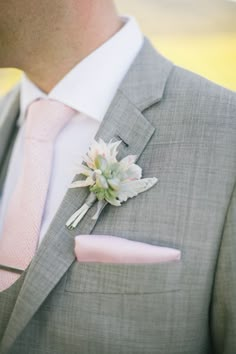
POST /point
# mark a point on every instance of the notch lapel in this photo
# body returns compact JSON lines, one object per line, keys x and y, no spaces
{"x":124,"y":121}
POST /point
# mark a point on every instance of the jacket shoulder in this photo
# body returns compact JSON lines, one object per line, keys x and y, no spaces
{"x":187,"y":84}
{"x":9,"y":102}
{"x":15,"y":90}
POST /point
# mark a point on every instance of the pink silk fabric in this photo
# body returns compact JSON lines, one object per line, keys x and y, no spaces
{"x":112,"y":249}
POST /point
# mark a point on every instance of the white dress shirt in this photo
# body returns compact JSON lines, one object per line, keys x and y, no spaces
{"x":89,"y":89}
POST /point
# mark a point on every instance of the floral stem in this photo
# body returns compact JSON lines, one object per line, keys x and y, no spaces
{"x":74,"y":220}
{"x":100,"y":206}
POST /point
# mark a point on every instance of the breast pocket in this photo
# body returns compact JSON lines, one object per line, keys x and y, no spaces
{"x":124,"y":278}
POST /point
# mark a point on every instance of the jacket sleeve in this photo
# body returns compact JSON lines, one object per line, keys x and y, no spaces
{"x":223,"y":307}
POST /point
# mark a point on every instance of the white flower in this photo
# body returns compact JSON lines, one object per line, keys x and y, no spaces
{"x":109,"y":180}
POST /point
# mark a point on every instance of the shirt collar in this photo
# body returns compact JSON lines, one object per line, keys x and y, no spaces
{"x":91,"y":85}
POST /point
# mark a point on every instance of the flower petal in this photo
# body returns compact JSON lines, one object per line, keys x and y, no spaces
{"x":134,"y":172}
{"x":112,"y":147}
{"x":127,"y":161}
{"x":84,"y":170}
{"x":84,"y":183}
{"x":101,"y":182}
{"x":114,"y":183}
{"x":112,"y":201}
{"x":90,"y":162}
{"x":133,"y":188}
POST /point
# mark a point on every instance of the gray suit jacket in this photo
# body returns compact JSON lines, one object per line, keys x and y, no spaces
{"x":183,"y":129}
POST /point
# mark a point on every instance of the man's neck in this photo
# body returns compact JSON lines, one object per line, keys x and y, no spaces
{"x":47,"y":66}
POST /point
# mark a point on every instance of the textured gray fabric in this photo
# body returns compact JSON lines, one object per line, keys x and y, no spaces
{"x":183,"y":129}
{"x":8,"y":130}
{"x":7,"y":303}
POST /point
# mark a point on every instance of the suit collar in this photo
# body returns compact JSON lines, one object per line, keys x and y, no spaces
{"x":143,"y":86}
{"x":145,"y":82}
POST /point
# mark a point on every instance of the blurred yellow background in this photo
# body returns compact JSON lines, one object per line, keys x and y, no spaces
{"x":199,"y":35}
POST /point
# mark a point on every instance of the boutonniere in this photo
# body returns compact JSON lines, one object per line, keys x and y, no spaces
{"x":109,"y":181}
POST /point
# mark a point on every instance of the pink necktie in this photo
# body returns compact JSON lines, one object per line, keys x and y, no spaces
{"x":18,"y":242}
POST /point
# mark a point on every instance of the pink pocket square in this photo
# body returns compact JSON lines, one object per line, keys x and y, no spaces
{"x":112,"y":249}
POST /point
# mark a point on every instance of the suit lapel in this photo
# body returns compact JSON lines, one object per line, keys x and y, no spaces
{"x":9,"y":110}
{"x":124,"y":121}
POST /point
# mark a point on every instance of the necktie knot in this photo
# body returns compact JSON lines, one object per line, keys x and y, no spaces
{"x":46,"y":118}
